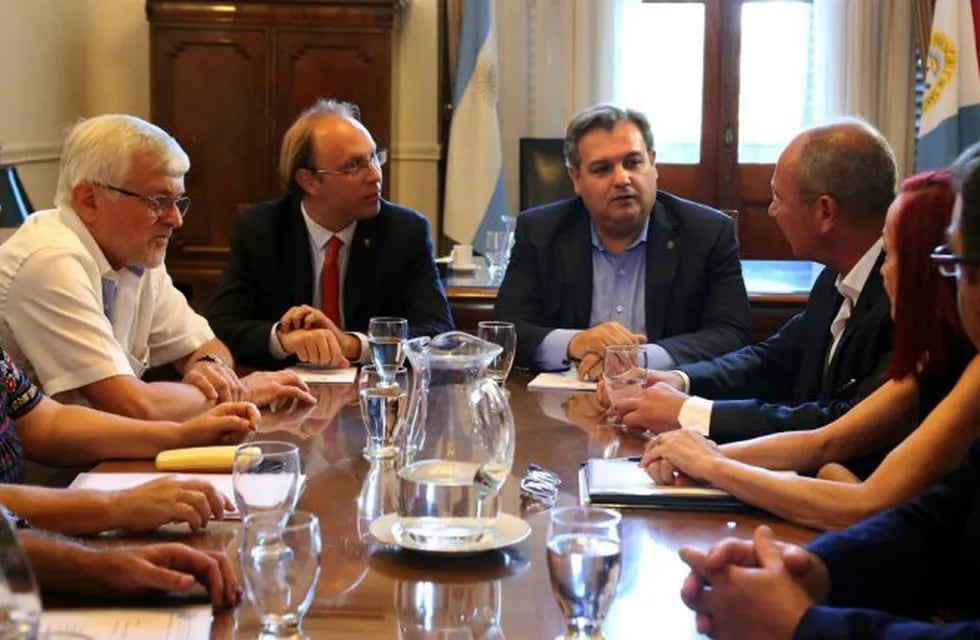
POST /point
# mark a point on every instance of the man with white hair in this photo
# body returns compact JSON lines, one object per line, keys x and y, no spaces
{"x":85,"y":300}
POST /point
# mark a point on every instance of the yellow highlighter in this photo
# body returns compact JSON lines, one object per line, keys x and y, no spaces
{"x":216,"y":458}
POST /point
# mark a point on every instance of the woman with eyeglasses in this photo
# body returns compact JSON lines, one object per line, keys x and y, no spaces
{"x":926,"y":409}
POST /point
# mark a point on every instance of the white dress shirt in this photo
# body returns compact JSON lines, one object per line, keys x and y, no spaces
{"x":54,"y":318}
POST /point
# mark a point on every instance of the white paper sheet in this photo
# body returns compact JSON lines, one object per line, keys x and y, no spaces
{"x":220,"y":481}
{"x":566,"y":381}
{"x":312,"y":375}
{"x":179,"y":623}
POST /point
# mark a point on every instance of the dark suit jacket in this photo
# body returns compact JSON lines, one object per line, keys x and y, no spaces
{"x":390,"y":272}
{"x":781,"y":384}
{"x":696,"y":305}
{"x":913,"y":561}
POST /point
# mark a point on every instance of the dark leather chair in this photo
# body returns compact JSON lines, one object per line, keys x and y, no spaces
{"x":544,"y":177}
{"x":14,"y":203}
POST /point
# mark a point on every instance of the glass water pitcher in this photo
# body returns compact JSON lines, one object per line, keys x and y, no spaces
{"x":457,"y":444}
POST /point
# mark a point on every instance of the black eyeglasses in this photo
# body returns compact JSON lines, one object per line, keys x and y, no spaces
{"x":355,"y":167}
{"x":160,"y":205}
{"x":948,"y":262}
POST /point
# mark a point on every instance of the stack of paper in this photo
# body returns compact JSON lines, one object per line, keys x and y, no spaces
{"x":315,"y":375}
{"x":176,"y":623}
{"x":566,"y":381}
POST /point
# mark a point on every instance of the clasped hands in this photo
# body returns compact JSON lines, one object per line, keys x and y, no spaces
{"x":757,"y":588}
{"x":586,"y":346}
{"x":312,"y":337}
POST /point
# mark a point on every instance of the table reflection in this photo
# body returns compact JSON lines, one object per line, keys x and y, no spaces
{"x":367,"y":590}
{"x":462,"y":611}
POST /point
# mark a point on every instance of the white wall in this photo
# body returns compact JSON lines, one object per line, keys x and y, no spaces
{"x":65,"y":59}
{"x":415,"y":109}
{"x":61,"y":60}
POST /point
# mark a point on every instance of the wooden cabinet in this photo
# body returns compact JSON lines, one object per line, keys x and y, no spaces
{"x":228,"y":78}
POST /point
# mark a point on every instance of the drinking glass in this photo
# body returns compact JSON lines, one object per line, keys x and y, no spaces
{"x":383,"y":391}
{"x":624,"y":371}
{"x":265,"y":477}
{"x":20,"y":606}
{"x":280,"y":556}
{"x":386,"y":337}
{"x":496,"y":247}
{"x":504,"y":334}
{"x":583,"y":562}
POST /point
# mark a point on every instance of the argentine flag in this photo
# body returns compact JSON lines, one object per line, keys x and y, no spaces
{"x":474,"y":172}
{"x":951,"y":105}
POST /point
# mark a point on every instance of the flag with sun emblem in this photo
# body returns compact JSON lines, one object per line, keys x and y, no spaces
{"x":474,"y":168}
{"x":951,"y":104}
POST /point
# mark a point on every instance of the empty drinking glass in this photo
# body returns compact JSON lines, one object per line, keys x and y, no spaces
{"x":496,"y":247}
{"x":386,"y":337}
{"x":583,"y":562}
{"x":20,"y":606}
{"x":624,"y":371}
{"x":280,"y":556}
{"x":504,"y":334}
{"x":383,"y":391}
{"x":266,"y":477}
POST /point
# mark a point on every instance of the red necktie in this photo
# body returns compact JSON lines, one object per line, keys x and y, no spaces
{"x":330,"y":281}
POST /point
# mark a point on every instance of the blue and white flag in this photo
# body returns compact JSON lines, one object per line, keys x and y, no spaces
{"x":951,"y":105}
{"x":474,"y":173}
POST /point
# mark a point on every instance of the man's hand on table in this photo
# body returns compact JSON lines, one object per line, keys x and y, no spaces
{"x":276,"y":387}
{"x":227,"y":423}
{"x":587,"y":346}
{"x":170,"y":499}
{"x":305,"y":419}
{"x":152,"y":568}
{"x":216,"y":380}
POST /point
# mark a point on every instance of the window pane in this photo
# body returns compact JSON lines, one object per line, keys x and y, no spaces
{"x":660,"y":72}
{"x":776,"y":78}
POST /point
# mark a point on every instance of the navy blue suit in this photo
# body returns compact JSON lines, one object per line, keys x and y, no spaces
{"x":782,"y":383}
{"x":390,"y":272}
{"x":918,"y":560}
{"x":696,"y":305}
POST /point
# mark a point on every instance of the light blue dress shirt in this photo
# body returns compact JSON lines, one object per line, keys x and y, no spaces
{"x":618,"y":293}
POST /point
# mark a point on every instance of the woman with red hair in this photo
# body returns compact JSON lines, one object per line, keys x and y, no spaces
{"x":926,"y":406}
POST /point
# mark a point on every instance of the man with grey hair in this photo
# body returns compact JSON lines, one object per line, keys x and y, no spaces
{"x":830,"y":191}
{"x":85,"y":301}
{"x":622,"y":263}
{"x":307,"y":272}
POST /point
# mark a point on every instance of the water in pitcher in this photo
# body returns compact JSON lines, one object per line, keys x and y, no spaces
{"x":446,"y":503}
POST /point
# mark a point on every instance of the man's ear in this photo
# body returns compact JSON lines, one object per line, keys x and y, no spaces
{"x":84,"y":201}
{"x":828,"y":212}
{"x":573,"y":175}
{"x":306,"y":181}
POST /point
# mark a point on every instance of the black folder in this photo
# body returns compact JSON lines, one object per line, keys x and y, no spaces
{"x":620,"y":482}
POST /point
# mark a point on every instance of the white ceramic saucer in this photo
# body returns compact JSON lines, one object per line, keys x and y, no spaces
{"x":508,"y":531}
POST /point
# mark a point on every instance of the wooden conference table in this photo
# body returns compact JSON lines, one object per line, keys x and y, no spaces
{"x":368,"y":591}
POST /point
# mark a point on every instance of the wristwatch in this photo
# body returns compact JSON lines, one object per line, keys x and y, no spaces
{"x":210,"y":357}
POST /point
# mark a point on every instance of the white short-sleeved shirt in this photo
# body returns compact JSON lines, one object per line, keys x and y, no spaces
{"x":52,"y":319}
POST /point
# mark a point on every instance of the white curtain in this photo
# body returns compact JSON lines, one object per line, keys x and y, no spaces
{"x":555,"y":59}
{"x":864,"y":66}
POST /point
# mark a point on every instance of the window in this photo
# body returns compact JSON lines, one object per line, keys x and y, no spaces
{"x":726,"y":85}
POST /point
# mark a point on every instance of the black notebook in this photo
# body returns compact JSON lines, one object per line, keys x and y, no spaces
{"x":619,"y":482}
